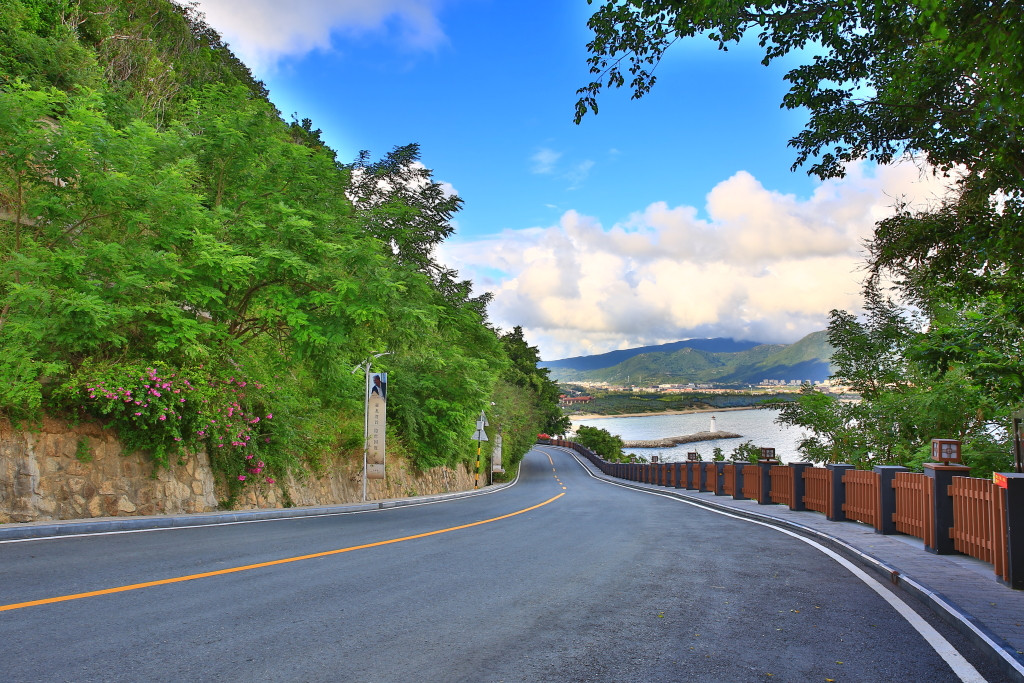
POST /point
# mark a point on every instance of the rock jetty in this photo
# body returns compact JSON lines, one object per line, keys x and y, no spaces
{"x":676,"y":440}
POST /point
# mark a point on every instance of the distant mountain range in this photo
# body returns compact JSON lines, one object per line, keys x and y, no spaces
{"x":717,"y":361}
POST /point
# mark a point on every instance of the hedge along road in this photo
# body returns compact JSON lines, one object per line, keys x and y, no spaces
{"x":561,"y":577}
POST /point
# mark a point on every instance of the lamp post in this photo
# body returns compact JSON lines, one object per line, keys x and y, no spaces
{"x":366,"y":407}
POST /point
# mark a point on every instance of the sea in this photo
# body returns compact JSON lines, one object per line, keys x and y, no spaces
{"x":757,"y":426}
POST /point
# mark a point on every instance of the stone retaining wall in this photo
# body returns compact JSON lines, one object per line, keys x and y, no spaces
{"x":64,"y":471}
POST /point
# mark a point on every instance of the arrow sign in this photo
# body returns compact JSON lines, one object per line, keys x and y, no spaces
{"x":482,"y":419}
{"x":480,"y":435}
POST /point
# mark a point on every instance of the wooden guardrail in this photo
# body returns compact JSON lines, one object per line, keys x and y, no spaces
{"x":948,"y":512}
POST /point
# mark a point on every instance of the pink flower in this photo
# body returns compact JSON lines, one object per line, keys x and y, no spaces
{"x":137,"y":414}
{"x":269,"y":415}
{"x":269,"y":480}
{"x":241,"y":477}
{"x":163,"y":417}
{"x":249,"y":457}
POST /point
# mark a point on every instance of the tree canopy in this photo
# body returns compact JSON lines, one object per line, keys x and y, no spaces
{"x":935,"y":81}
{"x":179,"y":261}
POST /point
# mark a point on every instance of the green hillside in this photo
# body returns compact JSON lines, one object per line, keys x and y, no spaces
{"x":179,"y":262}
{"x":807,"y":359}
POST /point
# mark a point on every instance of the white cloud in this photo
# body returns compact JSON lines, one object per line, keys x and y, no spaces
{"x":544,"y":160}
{"x":762,"y":266}
{"x":578,"y":173}
{"x":263,"y":31}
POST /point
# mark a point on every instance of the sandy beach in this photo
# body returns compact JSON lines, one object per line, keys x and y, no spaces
{"x":575,"y":418}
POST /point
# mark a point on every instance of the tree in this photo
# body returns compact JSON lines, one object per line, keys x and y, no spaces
{"x":602,"y":442}
{"x":942,"y":82}
{"x":524,"y":371}
{"x":883,"y":78}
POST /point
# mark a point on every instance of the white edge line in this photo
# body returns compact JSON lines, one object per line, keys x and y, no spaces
{"x":457,"y":496}
{"x":956,"y":661}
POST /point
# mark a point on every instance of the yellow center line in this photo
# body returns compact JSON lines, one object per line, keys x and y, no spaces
{"x":232,"y":570}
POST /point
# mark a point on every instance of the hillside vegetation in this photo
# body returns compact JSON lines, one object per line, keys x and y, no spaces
{"x":180,"y":262}
{"x":807,"y":359}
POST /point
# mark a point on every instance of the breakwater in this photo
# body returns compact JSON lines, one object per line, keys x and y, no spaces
{"x":671,"y":441}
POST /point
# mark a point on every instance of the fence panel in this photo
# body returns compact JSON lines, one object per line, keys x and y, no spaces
{"x":730,"y":479}
{"x":863,"y":497}
{"x":973,"y":531}
{"x":782,"y":484}
{"x":913,"y":501}
{"x":752,"y":482}
{"x":818,"y":489}
{"x":710,"y":477}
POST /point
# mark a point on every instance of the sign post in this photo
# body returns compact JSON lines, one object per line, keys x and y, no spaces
{"x":375,"y":401}
{"x":480,"y":436}
{"x":496,"y":455}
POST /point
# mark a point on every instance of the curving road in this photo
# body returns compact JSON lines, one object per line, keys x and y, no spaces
{"x":561,"y":577}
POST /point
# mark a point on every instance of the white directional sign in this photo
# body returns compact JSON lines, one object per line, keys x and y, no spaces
{"x":482,"y":420}
{"x":480,"y":435}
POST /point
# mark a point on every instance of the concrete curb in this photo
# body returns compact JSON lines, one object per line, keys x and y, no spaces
{"x":15,"y":532}
{"x":968,"y":625}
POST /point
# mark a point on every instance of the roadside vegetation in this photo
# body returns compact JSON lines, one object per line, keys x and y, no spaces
{"x":938,"y":353}
{"x":184,"y":265}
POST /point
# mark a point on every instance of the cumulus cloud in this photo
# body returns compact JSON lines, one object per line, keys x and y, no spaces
{"x":263,"y":31}
{"x":758,"y":265}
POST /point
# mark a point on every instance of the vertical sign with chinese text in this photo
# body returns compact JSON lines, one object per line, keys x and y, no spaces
{"x":376,"y":422}
{"x":496,"y":455}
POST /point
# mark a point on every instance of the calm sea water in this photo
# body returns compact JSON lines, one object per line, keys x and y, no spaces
{"x":753,"y":425}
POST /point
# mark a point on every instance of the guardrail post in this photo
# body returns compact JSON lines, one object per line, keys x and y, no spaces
{"x":702,"y":478}
{"x":799,"y":486}
{"x":1015,"y":529}
{"x":737,"y":487}
{"x":718,"y":486}
{"x":942,"y":514}
{"x":837,"y":470}
{"x":766,"y":481}
{"x":887,"y":497}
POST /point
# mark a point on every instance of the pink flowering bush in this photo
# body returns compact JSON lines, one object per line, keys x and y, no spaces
{"x":167,"y":411}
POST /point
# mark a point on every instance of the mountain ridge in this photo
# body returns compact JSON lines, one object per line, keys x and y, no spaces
{"x":691,"y":361}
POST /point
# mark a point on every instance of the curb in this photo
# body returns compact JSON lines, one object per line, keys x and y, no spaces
{"x":75,"y":528}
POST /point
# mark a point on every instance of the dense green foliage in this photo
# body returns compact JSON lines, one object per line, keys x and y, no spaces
{"x":177,"y":260}
{"x":602,"y":442}
{"x":936,"y":80}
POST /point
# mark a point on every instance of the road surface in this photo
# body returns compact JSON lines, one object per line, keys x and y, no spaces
{"x":561,"y":577}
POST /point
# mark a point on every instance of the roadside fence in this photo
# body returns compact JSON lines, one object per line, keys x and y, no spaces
{"x":949,"y":511}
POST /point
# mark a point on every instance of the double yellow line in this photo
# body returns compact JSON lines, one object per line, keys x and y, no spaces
{"x":287,"y":560}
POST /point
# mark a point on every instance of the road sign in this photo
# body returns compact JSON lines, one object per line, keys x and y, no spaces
{"x":482,"y":419}
{"x":480,"y":435}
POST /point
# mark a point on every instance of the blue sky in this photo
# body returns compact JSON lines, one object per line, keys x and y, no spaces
{"x":670,"y":217}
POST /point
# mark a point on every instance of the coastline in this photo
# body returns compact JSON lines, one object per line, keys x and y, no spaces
{"x":689,"y":411}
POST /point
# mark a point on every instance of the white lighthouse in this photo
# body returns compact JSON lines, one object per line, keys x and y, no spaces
{"x":714,"y":427}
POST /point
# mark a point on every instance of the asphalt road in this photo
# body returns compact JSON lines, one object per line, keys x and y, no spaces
{"x":561,"y":577}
